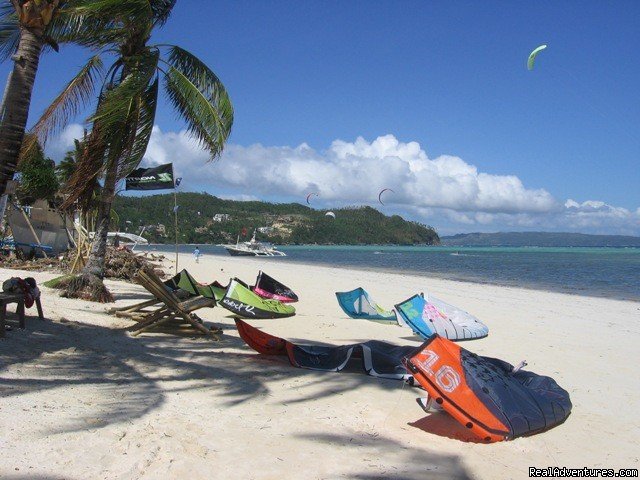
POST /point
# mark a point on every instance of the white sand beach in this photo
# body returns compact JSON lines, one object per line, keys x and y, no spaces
{"x":81,"y":399}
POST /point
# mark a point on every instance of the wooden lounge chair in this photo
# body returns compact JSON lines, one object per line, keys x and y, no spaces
{"x":172,"y":307}
{"x":183,"y":285}
{"x":139,"y":310}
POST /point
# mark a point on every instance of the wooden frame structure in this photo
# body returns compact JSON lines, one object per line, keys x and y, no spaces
{"x":17,"y":298}
{"x":171,"y":309}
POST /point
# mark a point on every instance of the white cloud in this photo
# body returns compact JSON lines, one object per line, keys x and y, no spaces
{"x":592,"y":214}
{"x":239,"y":197}
{"x":355,"y":172}
{"x":58,"y":146}
{"x":444,"y":191}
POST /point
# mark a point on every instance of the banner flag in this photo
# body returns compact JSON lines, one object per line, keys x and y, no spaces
{"x":154,"y":178}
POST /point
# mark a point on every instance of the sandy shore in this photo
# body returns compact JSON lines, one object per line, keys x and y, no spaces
{"x":80,"y":399}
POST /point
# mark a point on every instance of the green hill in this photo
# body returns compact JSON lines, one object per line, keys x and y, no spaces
{"x":203,"y":218}
{"x":539,"y":239}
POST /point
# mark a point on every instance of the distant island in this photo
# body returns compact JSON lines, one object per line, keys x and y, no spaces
{"x":206,"y":219}
{"x":539,"y":239}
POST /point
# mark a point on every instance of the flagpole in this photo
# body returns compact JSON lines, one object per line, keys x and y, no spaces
{"x":175,"y":215}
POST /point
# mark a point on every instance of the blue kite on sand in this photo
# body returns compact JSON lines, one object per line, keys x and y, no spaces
{"x":358,"y":304}
{"x":426,"y":316}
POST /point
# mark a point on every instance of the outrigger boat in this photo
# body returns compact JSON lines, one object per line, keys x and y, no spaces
{"x":252,"y":248}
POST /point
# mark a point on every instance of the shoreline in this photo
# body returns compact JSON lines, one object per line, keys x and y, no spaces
{"x":391,"y":245}
{"x":421,"y":273}
{"x":96,"y":402}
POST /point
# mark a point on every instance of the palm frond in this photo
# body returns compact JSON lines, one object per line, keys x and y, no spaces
{"x":200,"y":98}
{"x":83,"y":30}
{"x":106,"y":9}
{"x":117,"y":102}
{"x":139,"y":126}
{"x":119,"y":118}
{"x":68,"y":164}
{"x":80,"y":187}
{"x":129,"y":143}
{"x":98,"y":23}
{"x":6,"y":9}
{"x":9,"y":31}
{"x":161,"y":10}
{"x":76,"y":94}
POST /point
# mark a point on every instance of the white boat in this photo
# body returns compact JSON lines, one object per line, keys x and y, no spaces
{"x":252,"y":248}
{"x":123,"y":239}
{"x":126,"y":238}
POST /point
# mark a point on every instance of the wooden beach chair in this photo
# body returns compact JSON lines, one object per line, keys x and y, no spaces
{"x":183,"y":292}
{"x":172,"y":308}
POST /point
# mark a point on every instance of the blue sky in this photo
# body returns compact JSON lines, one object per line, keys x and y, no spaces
{"x":449,"y":116}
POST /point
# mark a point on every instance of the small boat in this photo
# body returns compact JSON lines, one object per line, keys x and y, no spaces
{"x":125,"y":239}
{"x":252,"y":248}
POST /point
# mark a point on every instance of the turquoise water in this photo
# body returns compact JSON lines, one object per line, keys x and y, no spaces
{"x":603,"y":272}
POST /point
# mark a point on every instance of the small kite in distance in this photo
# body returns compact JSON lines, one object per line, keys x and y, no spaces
{"x":381,"y":192}
{"x":309,"y":196}
{"x":330,"y":214}
{"x":533,"y":55}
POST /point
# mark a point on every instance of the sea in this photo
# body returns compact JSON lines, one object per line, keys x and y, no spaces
{"x":602,"y":272}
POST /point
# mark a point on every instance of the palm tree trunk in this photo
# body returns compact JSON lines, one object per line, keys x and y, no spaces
{"x":96,"y":261}
{"x":16,"y":106}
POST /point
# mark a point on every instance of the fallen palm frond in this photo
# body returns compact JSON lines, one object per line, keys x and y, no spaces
{"x":86,"y":287}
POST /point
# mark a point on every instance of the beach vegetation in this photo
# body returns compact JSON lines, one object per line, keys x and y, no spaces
{"x":204,"y":218}
{"x":128,"y":91}
{"x":38,"y":179}
{"x":27,"y":29}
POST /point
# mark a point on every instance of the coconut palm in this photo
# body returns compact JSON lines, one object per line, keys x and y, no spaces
{"x":24,"y":32}
{"x":27,"y":28}
{"x":65,"y":170}
{"x":23,"y":28}
{"x":124,"y":116}
{"x":67,"y":165}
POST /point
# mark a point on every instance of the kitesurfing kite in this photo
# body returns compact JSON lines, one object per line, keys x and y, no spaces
{"x":309,"y":196}
{"x":330,"y":214}
{"x":426,"y":316}
{"x":532,"y":56}
{"x":241,"y":301}
{"x":379,"y":359}
{"x":381,"y":192}
{"x":491,"y":398}
{"x":358,"y":304}
{"x":268,"y":287}
{"x":184,"y":282}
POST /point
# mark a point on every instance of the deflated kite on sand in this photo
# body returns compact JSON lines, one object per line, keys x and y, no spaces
{"x":269,"y":287}
{"x":426,"y":316}
{"x":491,"y":398}
{"x":184,"y":281}
{"x":358,"y":304}
{"x":378,"y":359}
{"x":240,"y":300}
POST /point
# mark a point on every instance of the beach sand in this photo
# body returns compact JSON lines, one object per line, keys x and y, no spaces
{"x":81,"y":399}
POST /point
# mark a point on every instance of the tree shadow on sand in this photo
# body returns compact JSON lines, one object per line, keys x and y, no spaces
{"x":50,"y":355}
{"x":388,"y":458}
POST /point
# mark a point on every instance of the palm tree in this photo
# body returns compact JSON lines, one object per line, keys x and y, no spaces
{"x":124,"y":116}
{"x":27,"y":27}
{"x":65,"y":170}
{"x":28,"y":35}
{"x":67,"y":165}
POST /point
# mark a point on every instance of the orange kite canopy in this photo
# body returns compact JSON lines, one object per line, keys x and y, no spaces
{"x":490,"y":397}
